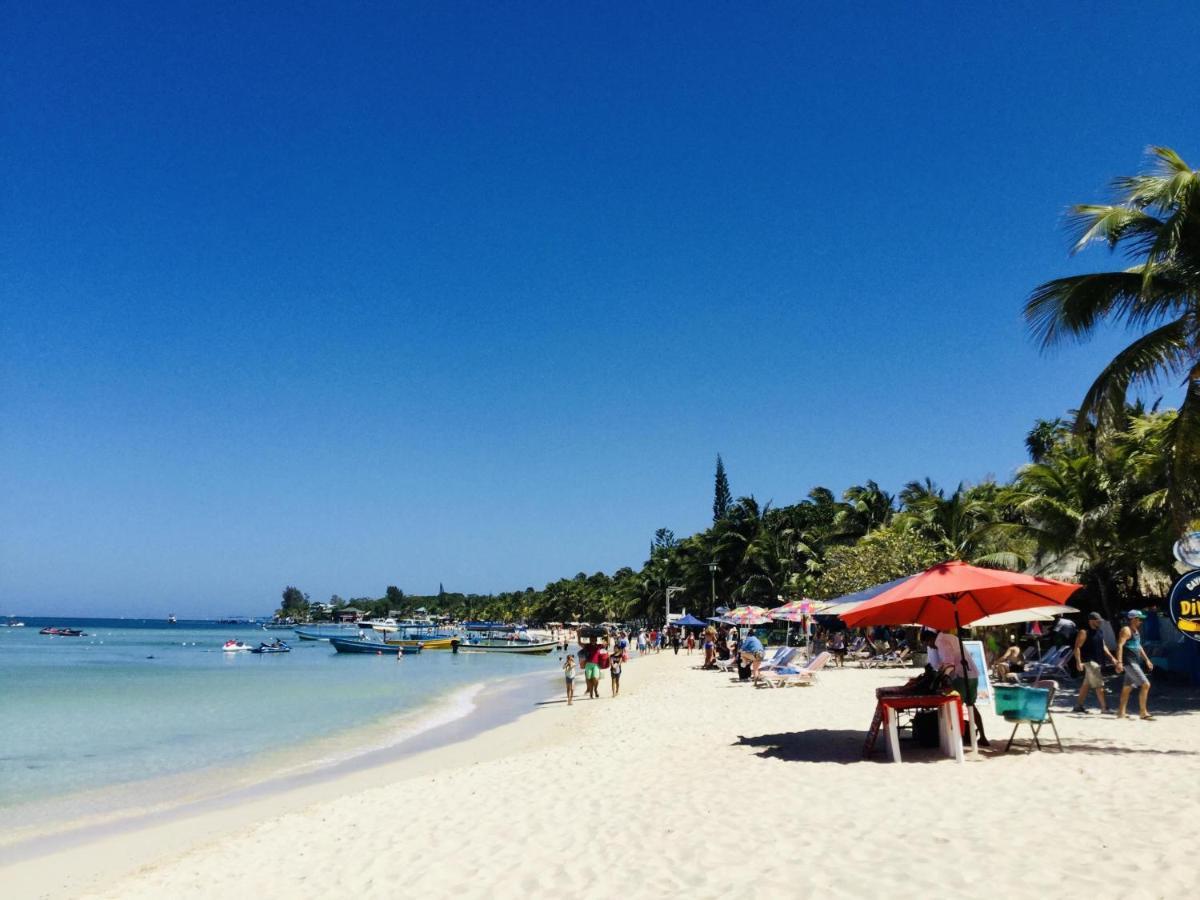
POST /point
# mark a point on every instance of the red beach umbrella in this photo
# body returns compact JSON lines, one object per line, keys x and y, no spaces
{"x":952,"y":594}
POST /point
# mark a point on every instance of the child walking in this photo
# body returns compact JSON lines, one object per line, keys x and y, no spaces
{"x":569,"y":673}
{"x":614,"y":669}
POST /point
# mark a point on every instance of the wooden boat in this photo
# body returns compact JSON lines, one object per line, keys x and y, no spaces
{"x":491,"y":646}
{"x":356,"y":645}
{"x":437,"y":642}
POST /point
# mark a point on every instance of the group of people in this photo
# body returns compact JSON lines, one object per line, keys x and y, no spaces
{"x":1092,"y":653}
{"x":596,"y":655}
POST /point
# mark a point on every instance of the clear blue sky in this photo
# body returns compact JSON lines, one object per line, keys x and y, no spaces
{"x":348,"y":295}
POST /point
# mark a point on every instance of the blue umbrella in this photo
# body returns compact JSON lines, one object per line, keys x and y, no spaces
{"x":689,"y":621}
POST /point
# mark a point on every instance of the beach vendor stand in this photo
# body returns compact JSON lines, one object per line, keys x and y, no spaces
{"x":954,"y":594}
{"x":888,"y":704}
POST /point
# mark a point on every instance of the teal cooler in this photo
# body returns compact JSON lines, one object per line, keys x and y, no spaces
{"x":1007,"y":698}
{"x":1015,"y":701}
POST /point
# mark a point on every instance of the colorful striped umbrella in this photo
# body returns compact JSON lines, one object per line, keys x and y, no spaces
{"x":794,"y":611}
{"x":747,"y":615}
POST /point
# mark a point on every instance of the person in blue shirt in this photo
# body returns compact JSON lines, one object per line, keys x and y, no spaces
{"x":752,"y":653}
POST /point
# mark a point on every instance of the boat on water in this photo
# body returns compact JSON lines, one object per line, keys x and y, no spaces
{"x":493,"y":645}
{"x":171,"y":619}
{"x":416,"y":634}
{"x":278,"y":626}
{"x":13,"y":623}
{"x":276,"y":646}
{"x":232,"y":646}
{"x":360,"y":645}
{"x":62,"y":632}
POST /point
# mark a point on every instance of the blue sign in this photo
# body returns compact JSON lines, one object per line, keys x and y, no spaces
{"x":1185,"y":605}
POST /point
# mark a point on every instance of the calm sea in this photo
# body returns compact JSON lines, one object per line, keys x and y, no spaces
{"x":136,"y":701}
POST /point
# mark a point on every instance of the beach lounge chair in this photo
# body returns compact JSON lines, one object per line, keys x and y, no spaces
{"x":1053,"y":662}
{"x":779,"y":660}
{"x":782,"y":676}
{"x":901,"y":657}
{"x":730,"y":665}
{"x":1036,"y":716}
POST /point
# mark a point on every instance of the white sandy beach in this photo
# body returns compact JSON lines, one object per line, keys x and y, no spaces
{"x":691,"y":784}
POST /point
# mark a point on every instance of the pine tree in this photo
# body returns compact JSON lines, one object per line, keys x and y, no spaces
{"x":722,"y":499}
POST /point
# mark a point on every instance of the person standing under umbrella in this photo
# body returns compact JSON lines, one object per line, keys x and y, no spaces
{"x":947,"y":649}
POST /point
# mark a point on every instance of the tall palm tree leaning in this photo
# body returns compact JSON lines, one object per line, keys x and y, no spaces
{"x":1156,"y":222}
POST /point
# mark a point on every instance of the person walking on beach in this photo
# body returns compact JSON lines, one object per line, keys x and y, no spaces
{"x":1130,"y":655}
{"x":675,"y":641}
{"x":589,"y":654}
{"x":1090,"y":653}
{"x":614,"y":671}
{"x":641,"y":642}
{"x":837,"y":643}
{"x":691,"y":643}
{"x":568,"y":668}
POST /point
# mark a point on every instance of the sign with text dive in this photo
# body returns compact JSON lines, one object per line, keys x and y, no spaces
{"x":1185,"y":605}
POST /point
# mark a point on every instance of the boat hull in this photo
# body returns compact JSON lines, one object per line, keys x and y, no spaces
{"x":437,"y":643}
{"x":352,"y":645}
{"x":538,"y":649}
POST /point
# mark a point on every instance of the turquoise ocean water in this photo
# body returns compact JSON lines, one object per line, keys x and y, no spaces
{"x":135,"y":702}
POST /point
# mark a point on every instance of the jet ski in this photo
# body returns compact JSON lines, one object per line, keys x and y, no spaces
{"x":232,"y":646}
{"x":273,"y":647}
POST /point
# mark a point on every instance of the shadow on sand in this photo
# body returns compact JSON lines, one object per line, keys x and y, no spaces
{"x":816,"y":745}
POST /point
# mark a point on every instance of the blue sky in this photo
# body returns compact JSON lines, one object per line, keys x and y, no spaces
{"x":349,"y":295}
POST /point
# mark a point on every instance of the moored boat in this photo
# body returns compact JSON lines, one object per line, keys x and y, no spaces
{"x":357,"y":645}
{"x":440,"y":642}
{"x":493,"y":646}
{"x":62,"y":632}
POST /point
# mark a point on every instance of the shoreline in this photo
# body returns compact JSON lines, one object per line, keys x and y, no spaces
{"x":487,"y":707}
{"x":690,"y":767}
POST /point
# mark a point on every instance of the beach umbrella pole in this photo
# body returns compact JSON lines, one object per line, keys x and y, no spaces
{"x":962,"y":651}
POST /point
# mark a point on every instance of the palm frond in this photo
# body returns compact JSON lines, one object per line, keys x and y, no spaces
{"x":1146,"y":361}
{"x":1072,"y":307}
{"x":1111,"y":224}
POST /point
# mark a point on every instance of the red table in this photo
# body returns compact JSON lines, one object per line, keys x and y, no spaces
{"x":888,"y":706}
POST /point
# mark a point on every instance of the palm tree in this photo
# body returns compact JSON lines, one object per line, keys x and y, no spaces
{"x":1156,"y":222}
{"x":866,"y":507}
{"x":966,"y":525}
{"x":1103,"y":509}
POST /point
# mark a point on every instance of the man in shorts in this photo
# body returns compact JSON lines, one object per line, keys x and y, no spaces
{"x":590,"y":654}
{"x":1090,"y":653}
